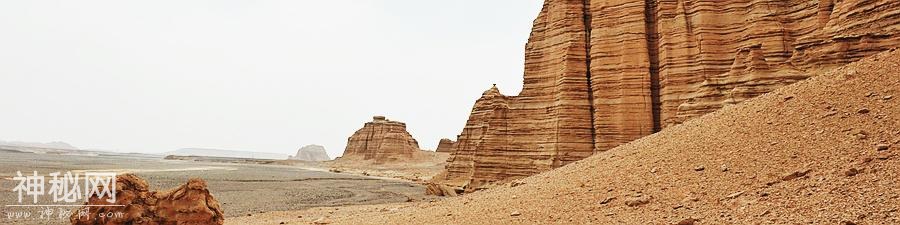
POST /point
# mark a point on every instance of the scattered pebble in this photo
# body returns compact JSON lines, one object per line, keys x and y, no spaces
{"x":699,"y":168}
{"x":863,"y":111}
{"x":688,"y":221}
{"x":321,"y":220}
{"x":724,"y":168}
{"x":882,"y":147}
{"x":883,"y":156}
{"x":795,"y":175}
{"x":515,"y":213}
{"x":851,"y":172}
{"x":690,"y":199}
{"x":637,"y":201}
{"x":607,"y":200}
{"x":889,"y":97}
{"x":735,"y":195}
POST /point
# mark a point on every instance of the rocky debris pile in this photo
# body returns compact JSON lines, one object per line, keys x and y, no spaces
{"x":602,"y":73}
{"x":789,"y":160}
{"x":188,"y":204}
{"x":313,"y":153}
{"x":381,"y":141}
{"x":442,"y":190}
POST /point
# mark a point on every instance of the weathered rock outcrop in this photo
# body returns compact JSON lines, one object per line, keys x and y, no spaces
{"x":446,"y":146}
{"x":601,"y":73}
{"x":188,"y":204}
{"x":381,"y":141}
{"x":315,"y":153}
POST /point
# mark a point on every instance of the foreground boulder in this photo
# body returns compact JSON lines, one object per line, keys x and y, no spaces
{"x":188,"y":204}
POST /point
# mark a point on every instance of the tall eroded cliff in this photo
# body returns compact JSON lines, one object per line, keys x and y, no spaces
{"x":601,"y":73}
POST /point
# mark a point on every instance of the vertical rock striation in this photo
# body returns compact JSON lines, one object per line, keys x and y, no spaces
{"x":381,"y":141}
{"x":601,"y":73}
{"x":549,"y":123}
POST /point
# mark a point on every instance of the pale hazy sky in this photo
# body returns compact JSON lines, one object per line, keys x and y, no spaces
{"x":267,"y":76}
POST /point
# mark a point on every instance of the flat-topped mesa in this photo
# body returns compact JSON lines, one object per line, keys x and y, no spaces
{"x":314,"y":153}
{"x":381,"y":141}
{"x":602,"y":73}
{"x":446,"y":146}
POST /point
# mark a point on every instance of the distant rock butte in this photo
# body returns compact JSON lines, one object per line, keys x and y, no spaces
{"x":381,"y":141}
{"x":188,"y":204}
{"x":312,"y":153}
{"x":601,"y":73}
{"x":446,"y":146}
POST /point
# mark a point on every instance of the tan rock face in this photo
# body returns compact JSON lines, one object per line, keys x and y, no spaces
{"x":314,"y":153}
{"x":446,"y":145}
{"x":601,"y":73}
{"x":188,"y":204}
{"x":381,"y":141}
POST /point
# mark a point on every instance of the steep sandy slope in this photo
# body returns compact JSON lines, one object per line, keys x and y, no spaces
{"x":807,"y":153}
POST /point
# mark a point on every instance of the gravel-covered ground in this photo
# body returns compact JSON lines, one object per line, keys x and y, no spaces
{"x":243,"y":189}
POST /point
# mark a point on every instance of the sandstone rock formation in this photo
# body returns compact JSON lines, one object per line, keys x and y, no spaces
{"x":315,"y":153}
{"x":791,"y":156}
{"x":601,"y":73}
{"x":381,"y":141}
{"x":446,"y":146}
{"x":188,"y":204}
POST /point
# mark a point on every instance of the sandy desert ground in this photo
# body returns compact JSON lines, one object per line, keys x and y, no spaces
{"x":243,"y":189}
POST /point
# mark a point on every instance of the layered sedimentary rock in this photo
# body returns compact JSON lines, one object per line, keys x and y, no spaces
{"x":446,"y":146}
{"x":315,"y":153}
{"x":188,"y":204}
{"x":381,"y":141}
{"x":549,"y":123}
{"x":601,"y":73}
